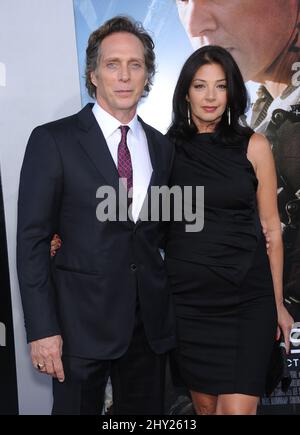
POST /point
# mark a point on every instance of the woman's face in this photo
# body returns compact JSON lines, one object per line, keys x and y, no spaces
{"x":207,"y":96}
{"x":255,"y":32}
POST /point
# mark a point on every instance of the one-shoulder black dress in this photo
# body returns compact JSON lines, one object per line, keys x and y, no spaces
{"x":220,"y":277}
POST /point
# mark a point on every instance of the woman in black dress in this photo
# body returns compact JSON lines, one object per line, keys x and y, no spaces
{"x":227,"y":288}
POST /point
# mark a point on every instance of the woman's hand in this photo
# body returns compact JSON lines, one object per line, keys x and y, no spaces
{"x":267,"y":237}
{"x":285,"y":323}
{"x":55,"y":244}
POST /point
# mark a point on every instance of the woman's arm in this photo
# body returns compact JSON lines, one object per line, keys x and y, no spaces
{"x":260,"y":155}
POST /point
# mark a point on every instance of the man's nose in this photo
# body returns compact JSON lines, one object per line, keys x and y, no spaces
{"x":199,"y":18}
{"x":124,"y":73}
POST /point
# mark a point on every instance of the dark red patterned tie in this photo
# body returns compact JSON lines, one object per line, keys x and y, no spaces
{"x":124,"y":159}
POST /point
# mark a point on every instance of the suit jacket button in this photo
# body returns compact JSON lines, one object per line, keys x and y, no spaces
{"x":133,"y":267}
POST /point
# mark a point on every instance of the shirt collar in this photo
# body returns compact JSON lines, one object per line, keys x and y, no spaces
{"x":109,"y":124}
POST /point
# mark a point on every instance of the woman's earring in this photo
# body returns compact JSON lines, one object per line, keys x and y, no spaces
{"x":189,"y":114}
{"x":228,"y":115}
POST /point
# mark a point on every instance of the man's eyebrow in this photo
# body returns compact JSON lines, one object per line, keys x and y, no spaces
{"x":117,"y":59}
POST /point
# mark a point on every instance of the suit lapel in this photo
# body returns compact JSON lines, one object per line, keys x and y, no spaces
{"x":154,"y":152}
{"x":94,"y":144}
{"x":153,"y":148}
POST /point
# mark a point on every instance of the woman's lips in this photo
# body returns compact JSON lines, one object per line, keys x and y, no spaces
{"x":209,"y":108}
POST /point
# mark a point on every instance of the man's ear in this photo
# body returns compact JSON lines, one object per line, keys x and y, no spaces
{"x":93,"y":78}
{"x":146,"y":80}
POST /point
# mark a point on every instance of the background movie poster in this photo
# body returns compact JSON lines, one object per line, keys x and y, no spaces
{"x":263,"y":36}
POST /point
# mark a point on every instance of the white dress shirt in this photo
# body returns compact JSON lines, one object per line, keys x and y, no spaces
{"x":139,"y":152}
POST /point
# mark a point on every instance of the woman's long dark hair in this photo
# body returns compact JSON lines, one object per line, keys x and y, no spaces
{"x":237,"y":99}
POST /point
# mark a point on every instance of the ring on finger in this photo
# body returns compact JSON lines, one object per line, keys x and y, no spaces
{"x":40,"y":366}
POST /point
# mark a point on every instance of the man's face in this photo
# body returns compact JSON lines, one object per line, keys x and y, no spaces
{"x":254,"y":31}
{"x":121,"y":74}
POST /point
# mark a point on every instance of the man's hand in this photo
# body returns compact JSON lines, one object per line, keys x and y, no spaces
{"x":46,"y":356}
{"x":55,"y":244}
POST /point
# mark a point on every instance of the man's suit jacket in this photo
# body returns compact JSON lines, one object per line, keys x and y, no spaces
{"x":88,"y":293}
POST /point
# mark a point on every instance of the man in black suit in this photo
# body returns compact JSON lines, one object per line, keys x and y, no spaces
{"x":102,"y":307}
